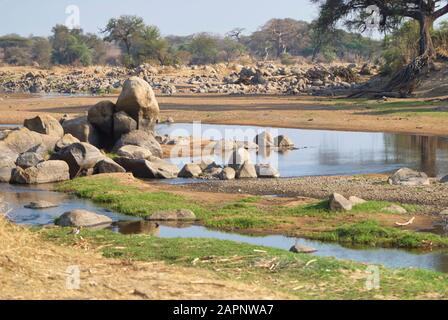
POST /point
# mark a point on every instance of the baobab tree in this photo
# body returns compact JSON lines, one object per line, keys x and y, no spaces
{"x":390,"y":15}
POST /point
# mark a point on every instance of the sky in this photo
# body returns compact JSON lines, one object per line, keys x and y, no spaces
{"x":173,"y":17}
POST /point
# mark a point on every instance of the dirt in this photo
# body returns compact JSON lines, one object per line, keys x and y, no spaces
{"x":273,"y":111}
{"x":32,"y":268}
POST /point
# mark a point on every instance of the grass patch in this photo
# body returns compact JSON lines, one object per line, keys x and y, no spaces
{"x":370,"y":233}
{"x":300,"y":275}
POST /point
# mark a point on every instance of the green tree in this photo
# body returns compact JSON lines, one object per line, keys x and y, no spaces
{"x":69,"y":46}
{"x":41,"y":51}
{"x":204,"y":49}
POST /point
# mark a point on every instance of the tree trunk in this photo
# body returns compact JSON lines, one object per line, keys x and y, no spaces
{"x":426,"y":45}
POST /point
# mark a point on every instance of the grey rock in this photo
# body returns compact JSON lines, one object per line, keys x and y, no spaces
{"x":247,"y":171}
{"x":395,"y":209}
{"x":227,"y":173}
{"x":107,"y":166}
{"x":339,"y":203}
{"x":65,"y":141}
{"x":44,"y":172}
{"x":83,"y":218}
{"x":356,"y":201}
{"x":45,"y":124}
{"x":190,"y":170}
{"x":172,"y":215}
{"x":408,"y":177}
{"x":81,"y":129}
{"x":101,"y":116}
{"x":123,"y":124}
{"x":157,"y":169}
{"x":7,"y":165}
{"x":28,"y":159}
{"x":142,"y":139}
{"x":266,"y":171}
{"x":264,"y":140}
{"x":302,"y":249}
{"x":134,"y":152}
{"x":20,"y":141}
{"x":283,"y":142}
{"x":40,"y":204}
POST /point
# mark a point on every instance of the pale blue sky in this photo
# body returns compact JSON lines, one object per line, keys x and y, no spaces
{"x":180,"y":17}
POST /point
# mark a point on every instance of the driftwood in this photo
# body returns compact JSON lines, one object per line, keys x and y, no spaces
{"x":406,"y":223}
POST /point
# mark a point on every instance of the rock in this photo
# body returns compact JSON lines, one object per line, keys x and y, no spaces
{"x":239,"y":157}
{"x":190,"y":170}
{"x":7,"y":165}
{"x":40,"y":204}
{"x":207,"y":164}
{"x":264,"y":140}
{"x":142,"y":139}
{"x":157,"y":169}
{"x":22,"y":140}
{"x":137,"y":99}
{"x":266,"y":171}
{"x":28,"y":159}
{"x":169,"y":120}
{"x":101,"y":116}
{"x":65,"y":141}
{"x":247,"y":171}
{"x":134,"y":152}
{"x":408,"y":177}
{"x":45,"y":124}
{"x":227,"y":173}
{"x":123,"y":124}
{"x":83,"y":218}
{"x":79,"y":157}
{"x":356,"y":201}
{"x":81,"y":129}
{"x":283,"y":142}
{"x":302,"y":249}
{"x":395,"y":209}
{"x":339,"y":203}
{"x":107,"y":166}
{"x":48,"y":145}
{"x":172,"y":215}
{"x":44,"y":172}
{"x":444,"y":179}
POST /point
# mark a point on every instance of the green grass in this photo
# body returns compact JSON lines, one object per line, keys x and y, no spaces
{"x":302,"y":276}
{"x":248,"y":214}
{"x":370,"y":233}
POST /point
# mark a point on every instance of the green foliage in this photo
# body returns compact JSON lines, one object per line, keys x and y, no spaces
{"x":69,"y":47}
{"x":203,"y":48}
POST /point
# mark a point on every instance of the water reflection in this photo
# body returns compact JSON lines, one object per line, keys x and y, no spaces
{"x":323,"y":152}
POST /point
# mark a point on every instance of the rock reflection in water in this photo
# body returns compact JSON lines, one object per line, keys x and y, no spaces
{"x":146,"y":227}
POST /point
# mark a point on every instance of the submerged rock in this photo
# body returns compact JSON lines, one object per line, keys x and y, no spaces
{"x":40,"y":204}
{"x":172,"y":215}
{"x":302,"y":249}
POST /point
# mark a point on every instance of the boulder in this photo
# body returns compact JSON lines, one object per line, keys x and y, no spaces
{"x":65,"y":141}
{"x":266,"y":171}
{"x":264,"y":140}
{"x":302,"y":249}
{"x":283,"y":142}
{"x":395,"y":209}
{"x":137,"y":99}
{"x":134,"y":152}
{"x":142,"y":139}
{"x":107,"y":166}
{"x":83,"y":218}
{"x":40,"y":204}
{"x":247,"y":171}
{"x":28,"y":159}
{"x":239,"y":157}
{"x":45,"y":124}
{"x":227,"y":173}
{"x":7,"y":165}
{"x":79,"y":156}
{"x":172,"y":215}
{"x":81,"y":129}
{"x":408,"y":177}
{"x":22,"y":140}
{"x":123,"y":124}
{"x":339,"y":203}
{"x":190,"y":170}
{"x":157,"y":169}
{"x":356,"y":201}
{"x":101,"y":116}
{"x":44,"y":172}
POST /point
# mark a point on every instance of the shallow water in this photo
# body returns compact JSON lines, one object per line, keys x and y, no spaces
{"x":324,"y":152}
{"x":18,"y":196}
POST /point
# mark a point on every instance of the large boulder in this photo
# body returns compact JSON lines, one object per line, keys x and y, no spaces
{"x":43,"y":172}
{"x":172,"y":215}
{"x":227,"y":173}
{"x":79,"y":157}
{"x":142,"y":139}
{"x":190,"y":170}
{"x":283,"y":142}
{"x":408,"y":177}
{"x":123,"y":124}
{"x":81,"y":129}
{"x":266,"y":171}
{"x":108,"y":166}
{"x":28,"y":159}
{"x":22,"y":140}
{"x":264,"y":140}
{"x":134,"y":152}
{"x":247,"y":171}
{"x":65,"y":141}
{"x":45,"y":124}
{"x":340,"y":203}
{"x":157,"y":169}
{"x":101,"y":116}
{"x":239,"y":157}
{"x":83,"y":218}
{"x":138,"y":100}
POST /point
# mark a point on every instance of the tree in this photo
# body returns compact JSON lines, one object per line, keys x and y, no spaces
{"x":236,"y":34}
{"x":69,"y":46}
{"x":204,"y":49}
{"x":123,"y":30}
{"x":41,"y":51}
